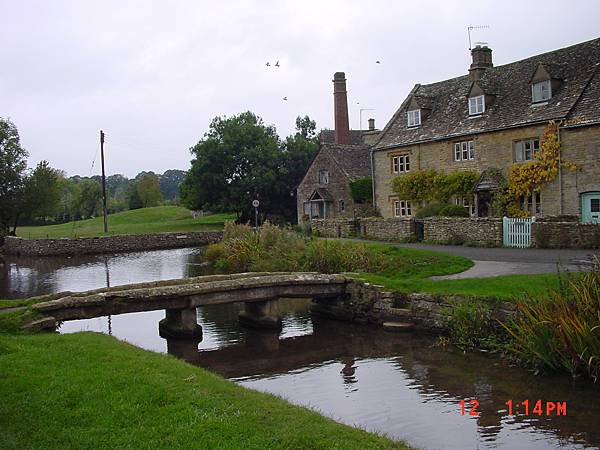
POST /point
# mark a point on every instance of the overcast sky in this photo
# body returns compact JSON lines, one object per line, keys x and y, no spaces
{"x":152,"y":75}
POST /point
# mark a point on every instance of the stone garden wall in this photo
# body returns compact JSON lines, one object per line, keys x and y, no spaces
{"x":335,"y":227}
{"x":453,"y":230}
{"x":107,"y":244}
{"x":562,"y":234}
{"x":460,"y":230}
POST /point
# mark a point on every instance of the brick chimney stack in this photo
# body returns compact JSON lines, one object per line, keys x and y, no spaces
{"x":340,"y":105}
{"x":371,"y":124}
{"x":482,"y":59}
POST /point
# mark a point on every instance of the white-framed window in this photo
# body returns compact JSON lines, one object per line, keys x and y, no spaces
{"x":323,"y":176}
{"x":342,"y":205}
{"x":402,"y":208}
{"x":532,"y":203}
{"x":464,"y":151}
{"x":467,"y":203}
{"x":541,"y":92}
{"x":400,"y":163}
{"x":413,"y":118}
{"x":476,"y":105}
{"x":526,"y":149}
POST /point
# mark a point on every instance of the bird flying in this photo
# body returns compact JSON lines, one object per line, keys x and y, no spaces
{"x":277,"y":63}
{"x":267,"y":64}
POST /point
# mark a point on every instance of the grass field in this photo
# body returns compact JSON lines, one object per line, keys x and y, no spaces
{"x":506,"y":287}
{"x":138,"y":221}
{"x":88,"y":390}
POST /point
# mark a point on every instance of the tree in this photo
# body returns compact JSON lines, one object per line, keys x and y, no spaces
{"x":241,"y":158}
{"x":42,"y":192}
{"x":170,"y":182}
{"x":237,"y":161}
{"x":13,"y":163}
{"x":89,"y":197}
{"x":148,"y":190}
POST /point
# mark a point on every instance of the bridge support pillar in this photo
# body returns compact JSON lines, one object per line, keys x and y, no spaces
{"x":180,"y":323}
{"x":263,"y":314}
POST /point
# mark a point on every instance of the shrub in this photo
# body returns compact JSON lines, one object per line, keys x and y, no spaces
{"x":430,"y":210}
{"x":471,"y":324}
{"x":454,"y":211}
{"x":362,"y":190}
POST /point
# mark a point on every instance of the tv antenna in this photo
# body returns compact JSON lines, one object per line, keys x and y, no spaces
{"x":474,"y":27}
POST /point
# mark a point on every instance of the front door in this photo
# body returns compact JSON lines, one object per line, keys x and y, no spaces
{"x":484,"y":199}
{"x":590,"y":207}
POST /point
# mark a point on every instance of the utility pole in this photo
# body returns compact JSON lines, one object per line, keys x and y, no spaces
{"x":103,"y":181}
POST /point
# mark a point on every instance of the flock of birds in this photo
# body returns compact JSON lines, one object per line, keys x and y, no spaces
{"x":268,"y":64}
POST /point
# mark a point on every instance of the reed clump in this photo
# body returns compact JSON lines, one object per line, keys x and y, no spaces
{"x":561,"y":331}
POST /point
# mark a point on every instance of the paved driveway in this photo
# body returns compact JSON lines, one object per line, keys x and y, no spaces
{"x":491,"y":262}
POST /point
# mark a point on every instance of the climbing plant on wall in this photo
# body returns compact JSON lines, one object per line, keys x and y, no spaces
{"x":362,"y":190}
{"x":429,"y":185}
{"x":524,"y":179}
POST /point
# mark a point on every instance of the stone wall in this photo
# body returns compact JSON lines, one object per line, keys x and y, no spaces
{"x":555,"y":234}
{"x":387,"y":229}
{"x":107,"y":244}
{"x":454,"y":230}
{"x":335,"y":227}
{"x":459,"y":230}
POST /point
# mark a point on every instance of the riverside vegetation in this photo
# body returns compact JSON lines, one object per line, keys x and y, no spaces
{"x":556,"y":328}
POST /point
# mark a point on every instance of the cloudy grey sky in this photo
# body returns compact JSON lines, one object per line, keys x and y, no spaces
{"x":153,"y":74}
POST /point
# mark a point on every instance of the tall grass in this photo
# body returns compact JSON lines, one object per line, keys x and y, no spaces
{"x":277,"y":249}
{"x":561,"y":332}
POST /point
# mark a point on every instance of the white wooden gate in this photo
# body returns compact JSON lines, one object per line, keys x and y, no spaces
{"x":516,"y":232}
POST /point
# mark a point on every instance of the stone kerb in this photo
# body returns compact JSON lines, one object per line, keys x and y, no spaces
{"x":107,"y":244}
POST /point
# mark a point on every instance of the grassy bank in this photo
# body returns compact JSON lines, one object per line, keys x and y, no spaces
{"x":88,"y":390}
{"x":137,"y":221}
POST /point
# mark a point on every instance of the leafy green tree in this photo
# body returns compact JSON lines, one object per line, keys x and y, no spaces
{"x":89,"y":197}
{"x":241,"y":158}
{"x":170,"y":182}
{"x":42,"y":192}
{"x":13,"y":163}
{"x":148,"y":190}
{"x":237,"y":161}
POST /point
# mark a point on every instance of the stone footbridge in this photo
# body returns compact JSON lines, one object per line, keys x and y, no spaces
{"x":335,"y":295}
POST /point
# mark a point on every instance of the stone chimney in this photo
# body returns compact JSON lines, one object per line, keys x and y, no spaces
{"x":482,"y":59}
{"x":371,"y":124}
{"x":340,"y":105}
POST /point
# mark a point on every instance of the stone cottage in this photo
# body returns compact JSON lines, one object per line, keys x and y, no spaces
{"x":343,"y":157}
{"x":493,"y":118}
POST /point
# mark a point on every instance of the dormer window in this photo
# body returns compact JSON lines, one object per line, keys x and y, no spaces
{"x":541,"y":92}
{"x":414,"y":118}
{"x":476,"y":105}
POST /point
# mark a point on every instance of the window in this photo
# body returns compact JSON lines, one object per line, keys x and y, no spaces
{"x":402,"y":208}
{"x":595,"y":205}
{"x":323,"y":176}
{"x":414,"y":118}
{"x":532,"y":203}
{"x":468,"y":204}
{"x":464,"y":151}
{"x":400,"y":164}
{"x":307,"y":208}
{"x":476,"y":105}
{"x":342,"y":206}
{"x":526,"y":149}
{"x":541,"y":92}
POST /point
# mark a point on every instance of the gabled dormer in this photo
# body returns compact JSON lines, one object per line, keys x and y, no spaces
{"x":417,"y":110}
{"x":545,"y":81}
{"x":480,"y":97}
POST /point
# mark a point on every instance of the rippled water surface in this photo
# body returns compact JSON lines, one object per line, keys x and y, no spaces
{"x":399,"y":384}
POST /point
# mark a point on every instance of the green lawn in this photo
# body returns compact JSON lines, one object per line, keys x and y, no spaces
{"x":506,"y":287}
{"x":88,"y":390}
{"x":137,"y":221}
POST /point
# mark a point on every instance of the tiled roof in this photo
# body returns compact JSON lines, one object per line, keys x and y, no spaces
{"x":328,"y":137}
{"x":577,"y":98}
{"x":354,"y":160}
